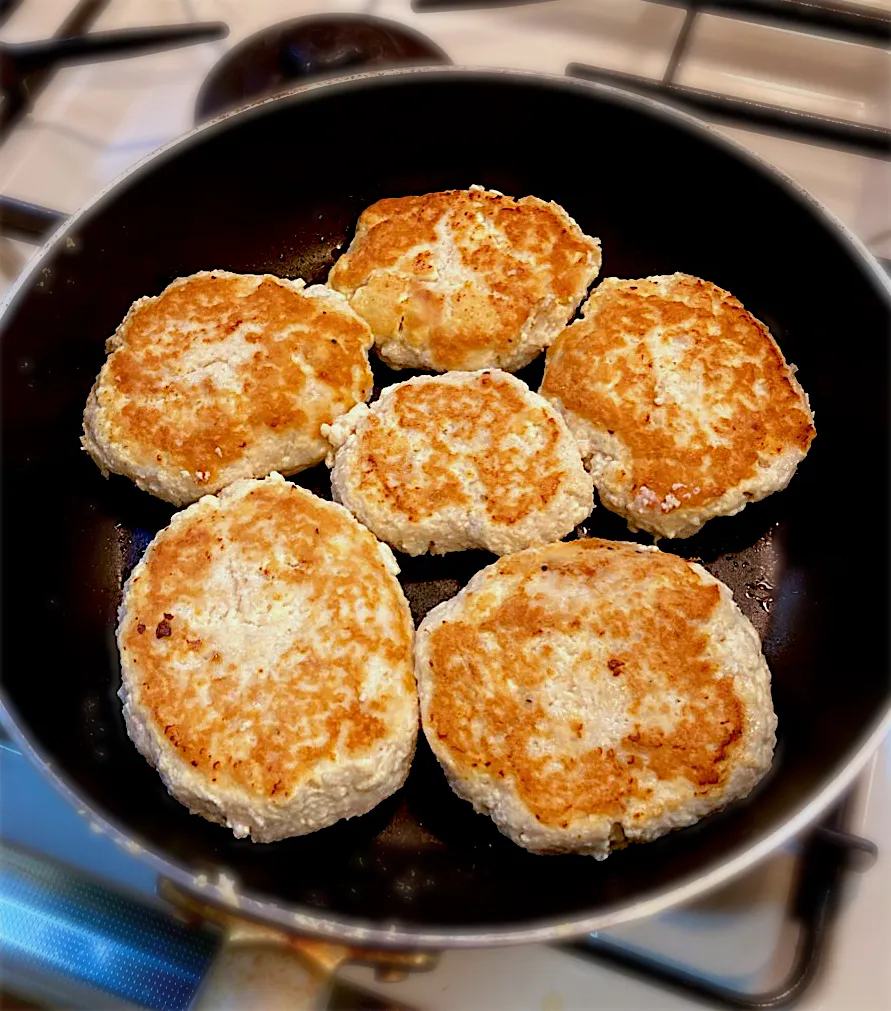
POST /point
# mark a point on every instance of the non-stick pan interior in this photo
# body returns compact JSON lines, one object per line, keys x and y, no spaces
{"x":279,"y":190}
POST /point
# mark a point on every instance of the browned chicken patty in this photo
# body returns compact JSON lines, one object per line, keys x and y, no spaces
{"x":682,"y":403}
{"x":464,"y":460}
{"x":266,"y":652}
{"x":592,"y":693}
{"x":224,"y":376}
{"x":465,"y":279}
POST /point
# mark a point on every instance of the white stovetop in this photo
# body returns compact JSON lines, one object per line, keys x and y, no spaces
{"x":95,"y":120}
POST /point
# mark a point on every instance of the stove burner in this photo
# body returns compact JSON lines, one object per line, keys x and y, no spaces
{"x":276,"y":58}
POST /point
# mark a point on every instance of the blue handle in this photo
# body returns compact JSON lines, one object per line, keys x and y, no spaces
{"x":57,"y":925}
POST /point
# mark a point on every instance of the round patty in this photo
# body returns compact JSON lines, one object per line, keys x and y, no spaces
{"x":224,"y":376}
{"x":682,"y":402}
{"x":265,"y":648}
{"x":594,"y":693}
{"x":464,"y":460}
{"x":465,"y":279}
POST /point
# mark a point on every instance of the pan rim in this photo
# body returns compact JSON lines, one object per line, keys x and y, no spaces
{"x":225,"y":892}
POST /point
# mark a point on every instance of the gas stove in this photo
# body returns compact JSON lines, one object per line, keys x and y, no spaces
{"x":808,"y":85}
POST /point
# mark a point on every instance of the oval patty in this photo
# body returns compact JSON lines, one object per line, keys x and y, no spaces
{"x":594,"y":693}
{"x":682,"y":403}
{"x":266,"y":662}
{"x":465,"y":279}
{"x":224,"y":376}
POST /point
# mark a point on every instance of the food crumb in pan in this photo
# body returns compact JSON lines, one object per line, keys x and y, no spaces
{"x":226,"y":888}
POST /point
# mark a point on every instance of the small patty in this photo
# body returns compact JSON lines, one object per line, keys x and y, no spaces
{"x":594,"y":693}
{"x":682,"y":403}
{"x":266,"y":650}
{"x":464,"y":460}
{"x":224,"y":376}
{"x":465,"y":279}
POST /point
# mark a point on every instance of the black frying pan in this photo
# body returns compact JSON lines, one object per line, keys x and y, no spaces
{"x":278,"y":188}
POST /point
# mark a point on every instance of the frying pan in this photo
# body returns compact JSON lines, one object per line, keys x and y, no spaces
{"x":278,"y":187}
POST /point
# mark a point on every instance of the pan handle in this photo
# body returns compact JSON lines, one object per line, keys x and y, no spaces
{"x":255,"y":968}
{"x":262,"y":966}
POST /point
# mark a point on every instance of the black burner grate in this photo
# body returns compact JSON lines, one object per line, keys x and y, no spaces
{"x":813,"y":17}
{"x":25,"y":68}
{"x":827,"y":854}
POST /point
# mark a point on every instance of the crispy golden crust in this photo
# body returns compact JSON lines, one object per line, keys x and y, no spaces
{"x":446,"y":419}
{"x":596,"y":683}
{"x":263,"y":637}
{"x":681,"y":400}
{"x":465,"y":279}
{"x":224,"y":376}
{"x":469,"y":459}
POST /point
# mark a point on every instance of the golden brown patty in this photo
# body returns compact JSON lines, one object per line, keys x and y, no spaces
{"x":588,"y":693}
{"x":266,"y":661}
{"x":224,"y":376}
{"x":682,"y":403}
{"x":465,"y":279}
{"x":464,"y":460}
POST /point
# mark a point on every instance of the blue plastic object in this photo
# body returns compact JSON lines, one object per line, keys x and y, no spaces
{"x":54,"y":923}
